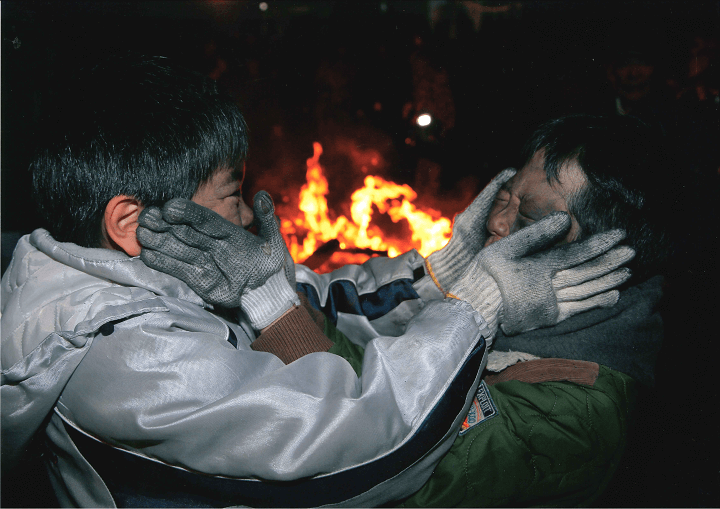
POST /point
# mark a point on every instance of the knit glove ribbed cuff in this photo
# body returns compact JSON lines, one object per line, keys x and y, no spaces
{"x":479,"y":289}
{"x":469,"y":234}
{"x":265,"y":304}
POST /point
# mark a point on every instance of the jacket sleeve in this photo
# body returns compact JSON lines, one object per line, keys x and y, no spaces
{"x":170,"y":387}
{"x":550,"y":443}
{"x":294,"y":335}
{"x":376,"y":298}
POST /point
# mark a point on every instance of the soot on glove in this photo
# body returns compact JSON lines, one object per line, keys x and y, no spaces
{"x":222,"y":262}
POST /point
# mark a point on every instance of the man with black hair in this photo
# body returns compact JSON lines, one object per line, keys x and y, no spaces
{"x":142,"y":380}
{"x":552,"y":428}
{"x":549,"y":421}
{"x":602,"y":170}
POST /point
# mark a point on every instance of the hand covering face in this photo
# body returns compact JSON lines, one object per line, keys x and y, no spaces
{"x":223,"y":263}
{"x":468,"y":237}
{"x":524,"y":283}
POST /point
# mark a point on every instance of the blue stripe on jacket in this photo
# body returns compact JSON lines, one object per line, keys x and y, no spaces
{"x":343,"y":297}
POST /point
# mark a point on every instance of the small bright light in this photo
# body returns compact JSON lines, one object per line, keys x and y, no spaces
{"x":263,"y":6}
{"x":424,"y":120}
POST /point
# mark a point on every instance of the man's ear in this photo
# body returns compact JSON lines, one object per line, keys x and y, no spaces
{"x":120,"y":223}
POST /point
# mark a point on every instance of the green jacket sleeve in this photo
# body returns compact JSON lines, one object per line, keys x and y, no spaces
{"x":539,"y":444}
{"x":343,"y":347}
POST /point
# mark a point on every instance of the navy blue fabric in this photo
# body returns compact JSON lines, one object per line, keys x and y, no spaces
{"x":343,"y":296}
{"x":138,"y":482}
{"x":232,"y":338}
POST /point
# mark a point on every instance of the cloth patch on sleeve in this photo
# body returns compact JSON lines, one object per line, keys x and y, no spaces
{"x":482,"y":408}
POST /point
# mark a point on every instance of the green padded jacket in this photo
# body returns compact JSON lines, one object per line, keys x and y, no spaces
{"x":554,"y":443}
{"x":539,"y":443}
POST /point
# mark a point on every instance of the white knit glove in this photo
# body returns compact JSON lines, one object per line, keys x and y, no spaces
{"x":468,"y":237}
{"x":222,"y":262}
{"x":516,"y":283}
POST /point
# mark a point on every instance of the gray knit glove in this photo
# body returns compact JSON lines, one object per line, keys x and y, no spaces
{"x":468,"y":237}
{"x":289,"y":264}
{"x":223,"y":263}
{"x":516,"y":283}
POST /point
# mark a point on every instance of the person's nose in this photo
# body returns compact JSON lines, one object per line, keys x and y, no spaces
{"x":500,"y":223}
{"x":246,"y":214}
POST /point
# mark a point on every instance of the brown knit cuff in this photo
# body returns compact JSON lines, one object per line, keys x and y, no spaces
{"x":317,"y":316}
{"x":548,"y":370}
{"x":292,"y":336}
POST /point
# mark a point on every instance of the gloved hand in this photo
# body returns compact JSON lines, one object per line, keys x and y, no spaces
{"x":223,"y":263}
{"x":469,"y":235}
{"x":289,"y":264}
{"x":523,"y":285}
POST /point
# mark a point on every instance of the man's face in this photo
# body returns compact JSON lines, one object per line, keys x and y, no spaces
{"x":631,"y":79}
{"x":223,"y":194}
{"x":528,"y":197}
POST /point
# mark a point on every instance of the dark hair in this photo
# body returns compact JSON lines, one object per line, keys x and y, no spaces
{"x":624,"y":162}
{"x":134,"y":125}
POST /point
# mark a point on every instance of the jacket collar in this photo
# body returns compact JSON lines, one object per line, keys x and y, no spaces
{"x":114,"y":266}
{"x":625,"y":337}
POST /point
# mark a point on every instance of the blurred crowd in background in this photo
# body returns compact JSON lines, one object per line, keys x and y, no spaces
{"x":488,"y":73}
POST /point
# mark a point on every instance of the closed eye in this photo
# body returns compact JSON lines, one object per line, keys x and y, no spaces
{"x":529,"y":211}
{"x":524,"y":221}
{"x":524,"y":212}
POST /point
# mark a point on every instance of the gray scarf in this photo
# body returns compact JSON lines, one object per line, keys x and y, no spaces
{"x":626,"y":337}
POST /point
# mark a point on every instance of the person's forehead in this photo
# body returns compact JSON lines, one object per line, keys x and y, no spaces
{"x":531,"y":177}
{"x":532,"y":183}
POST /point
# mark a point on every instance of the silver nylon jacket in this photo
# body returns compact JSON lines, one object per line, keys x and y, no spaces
{"x":135,"y":359}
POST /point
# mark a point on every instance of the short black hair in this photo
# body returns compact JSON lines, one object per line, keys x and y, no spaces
{"x":626,"y":166}
{"x":133,"y":125}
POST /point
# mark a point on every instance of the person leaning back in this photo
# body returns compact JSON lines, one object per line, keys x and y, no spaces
{"x":143,"y":379}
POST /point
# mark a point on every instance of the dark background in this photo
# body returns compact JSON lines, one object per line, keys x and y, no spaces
{"x":489,"y":73}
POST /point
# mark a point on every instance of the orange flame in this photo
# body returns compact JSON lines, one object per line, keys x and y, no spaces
{"x":430,"y":231}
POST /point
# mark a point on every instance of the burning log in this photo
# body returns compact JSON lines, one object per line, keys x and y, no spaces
{"x":323,"y":254}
